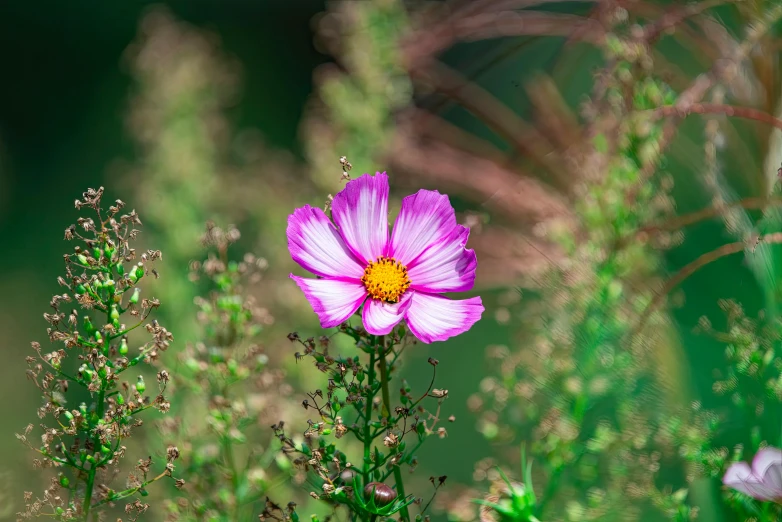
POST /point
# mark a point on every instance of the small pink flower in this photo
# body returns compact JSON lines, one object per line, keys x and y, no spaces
{"x":398,"y":278}
{"x":763,"y":481}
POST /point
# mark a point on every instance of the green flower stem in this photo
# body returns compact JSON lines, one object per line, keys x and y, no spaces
{"x":94,"y":468}
{"x":128,"y":492}
{"x":228,"y":454}
{"x":95,"y":439}
{"x":367,"y":416}
{"x":400,"y":486}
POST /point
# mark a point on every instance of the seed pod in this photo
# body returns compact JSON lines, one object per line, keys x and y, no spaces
{"x":134,"y":298}
{"x":123,"y":346}
{"x":383,"y":494}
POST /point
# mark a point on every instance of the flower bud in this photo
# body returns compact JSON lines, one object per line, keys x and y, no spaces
{"x":88,"y":325}
{"x":381,"y":493}
{"x":134,"y":298}
{"x":123,"y":346}
{"x":140,"y":386}
{"x":64,"y":482}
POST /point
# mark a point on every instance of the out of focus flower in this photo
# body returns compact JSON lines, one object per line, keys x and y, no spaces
{"x":763,"y":481}
{"x":401,"y":277}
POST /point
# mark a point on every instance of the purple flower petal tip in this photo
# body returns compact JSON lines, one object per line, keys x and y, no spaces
{"x":762,"y":481}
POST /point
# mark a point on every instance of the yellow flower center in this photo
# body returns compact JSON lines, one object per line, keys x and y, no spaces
{"x":386,"y":279}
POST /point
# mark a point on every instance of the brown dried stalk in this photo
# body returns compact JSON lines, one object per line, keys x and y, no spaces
{"x":516,"y":196}
{"x":517,"y":132}
{"x":718,"y":108}
{"x":691,"y":268}
{"x":484,"y":19}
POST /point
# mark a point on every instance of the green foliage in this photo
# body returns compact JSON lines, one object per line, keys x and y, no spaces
{"x":229,"y":374}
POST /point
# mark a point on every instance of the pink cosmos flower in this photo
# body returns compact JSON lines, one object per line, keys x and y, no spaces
{"x":763,"y":481}
{"x":395,"y":278}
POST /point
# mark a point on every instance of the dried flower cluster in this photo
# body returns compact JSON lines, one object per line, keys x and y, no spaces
{"x":93,"y":348}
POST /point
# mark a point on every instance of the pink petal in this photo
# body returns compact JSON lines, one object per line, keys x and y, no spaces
{"x":316,"y":245}
{"x":740,"y":477}
{"x":333,"y":300}
{"x":380,"y":317}
{"x":436,"y":318}
{"x":360,"y":211}
{"x":445,"y":266}
{"x":767,"y":465}
{"x":425,"y":219}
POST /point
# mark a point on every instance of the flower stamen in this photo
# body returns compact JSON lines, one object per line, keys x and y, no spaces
{"x":386,"y":279}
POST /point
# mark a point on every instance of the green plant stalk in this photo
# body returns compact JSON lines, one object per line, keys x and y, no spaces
{"x":95,"y":440}
{"x":400,"y":486}
{"x":367,"y":417}
{"x":228,"y":455}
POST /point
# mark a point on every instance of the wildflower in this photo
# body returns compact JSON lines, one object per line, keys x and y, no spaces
{"x":401,"y":277}
{"x":763,"y":481}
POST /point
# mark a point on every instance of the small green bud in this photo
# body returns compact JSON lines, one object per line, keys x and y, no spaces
{"x":102,"y":372}
{"x":134,"y":298}
{"x":68,"y":416}
{"x":81,"y":259}
{"x":327,"y":431}
{"x":59,"y":511}
{"x":88,"y":325}
{"x":123,"y":346}
{"x":120,"y":399}
{"x":140,"y":386}
{"x":91,"y":459}
{"x":96,"y":253}
{"x":105,"y":449}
